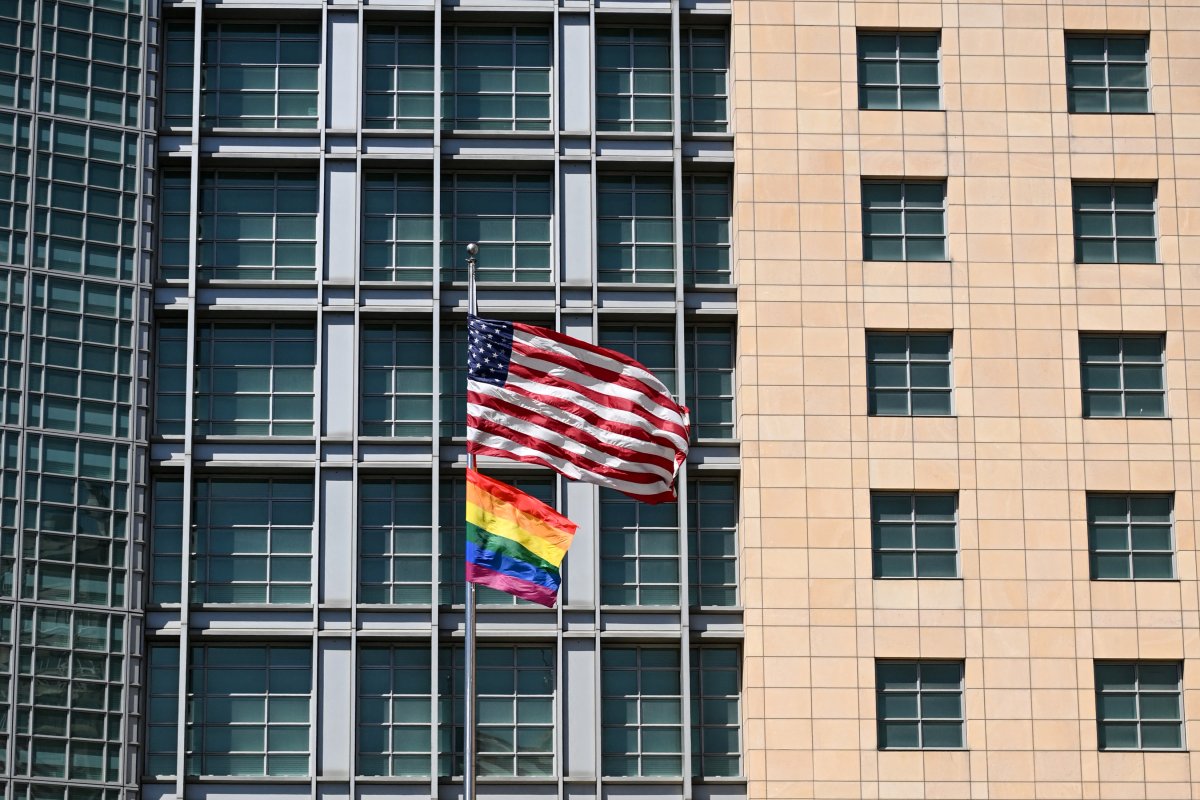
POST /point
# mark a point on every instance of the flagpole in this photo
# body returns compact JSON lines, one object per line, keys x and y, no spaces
{"x":469,"y":667}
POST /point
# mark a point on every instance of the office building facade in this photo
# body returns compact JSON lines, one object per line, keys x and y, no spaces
{"x":966,"y":238}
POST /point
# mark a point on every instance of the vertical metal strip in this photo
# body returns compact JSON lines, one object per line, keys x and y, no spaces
{"x":436,"y":466}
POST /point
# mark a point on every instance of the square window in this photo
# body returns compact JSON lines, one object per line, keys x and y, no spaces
{"x":1115,"y":223}
{"x":904,"y":221}
{"x":633,"y":80}
{"x":899,"y":70}
{"x":1108,"y":74}
{"x":1131,"y":536}
{"x":914,"y":535}
{"x":919,"y":705}
{"x":909,"y":374}
{"x":1122,"y":375}
{"x":1139,"y":705}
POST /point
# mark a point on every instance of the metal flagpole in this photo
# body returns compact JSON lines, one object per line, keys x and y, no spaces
{"x":469,"y":667}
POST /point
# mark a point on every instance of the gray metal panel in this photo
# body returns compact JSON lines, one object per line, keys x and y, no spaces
{"x":342,"y":70}
{"x":338,"y":383}
{"x":341,"y":229}
{"x":337,"y":540}
{"x":575,"y":77}
{"x":581,"y":684}
{"x":335,"y":697}
{"x":576,"y":223}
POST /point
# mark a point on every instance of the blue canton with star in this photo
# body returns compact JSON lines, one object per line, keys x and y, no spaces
{"x":489,"y":349}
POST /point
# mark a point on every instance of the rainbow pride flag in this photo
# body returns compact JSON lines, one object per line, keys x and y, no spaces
{"x":515,"y":543}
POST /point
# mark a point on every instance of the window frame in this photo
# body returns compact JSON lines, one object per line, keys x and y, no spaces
{"x":1113,"y":213}
{"x":912,"y":524}
{"x":919,"y":690}
{"x":1128,"y":527}
{"x":1105,"y":63}
{"x":1137,"y":693}
{"x":873,"y":388}
{"x":1120,"y":363}
{"x":687,"y":73}
{"x":898,"y":60}
{"x":640,"y":726}
{"x":658,"y":126}
{"x":904,"y":209}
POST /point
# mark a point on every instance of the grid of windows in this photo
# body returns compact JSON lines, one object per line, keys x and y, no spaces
{"x":635,"y":231}
{"x":904,"y":221}
{"x":254,"y":74}
{"x":704,"y":80}
{"x":90,"y":61}
{"x":249,"y":710}
{"x":1115,"y":223}
{"x":908,"y":374}
{"x":81,"y":349}
{"x":398,"y":76}
{"x":712,"y":542}
{"x":914,"y":535}
{"x":899,"y":70}
{"x":251,"y":379}
{"x":397,"y":380}
{"x":639,"y":552}
{"x":497,"y":78}
{"x":69,"y":695}
{"x":514,"y":708}
{"x":508,"y":216}
{"x":395,"y":541}
{"x":1108,"y":74}
{"x":633,"y":79}
{"x":716,"y":697}
{"x":15,"y":132}
{"x":641,"y":712}
{"x":1130,"y":536}
{"x":162,"y":709}
{"x":1139,"y":705}
{"x":453,"y":536}
{"x":253,"y":540}
{"x":395,"y":729}
{"x":1122,"y":376}
{"x":17,"y":53}
{"x":10,"y":492}
{"x":397,"y":226}
{"x":919,"y":704}
{"x":707,"y":208}
{"x":252,"y":226}
{"x":12,"y":344}
{"x":86,"y":196}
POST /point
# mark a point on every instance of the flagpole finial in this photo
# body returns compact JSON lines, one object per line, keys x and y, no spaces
{"x":472,"y":250}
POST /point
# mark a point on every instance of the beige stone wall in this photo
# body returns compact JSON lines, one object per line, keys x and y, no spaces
{"x":1025,"y":617}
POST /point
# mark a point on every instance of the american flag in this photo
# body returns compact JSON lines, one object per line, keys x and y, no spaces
{"x":590,"y":413}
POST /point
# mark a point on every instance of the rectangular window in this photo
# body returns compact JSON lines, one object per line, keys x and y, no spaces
{"x":452,"y":377}
{"x":179,"y":49}
{"x":70,"y":695}
{"x":254,"y":74}
{"x":1131,"y":536}
{"x":15,"y":138}
{"x":162,"y":709}
{"x":1122,"y":376}
{"x":496,"y":78}
{"x":641,"y":712}
{"x":395,"y":541}
{"x":255,"y":379}
{"x":716,"y":727}
{"x":395,"y":731}
{"x":712,"y":542}
{"x":1139,"y":705}
{"x":653,"y":345}
{"x":914,"y":535}
{"x":17,"y":52}
{"x":919,"y":705}
{"x":639,"y":552}
{"x":899,"y":70}
{"x":707,"y":209}
{"x":90,"y":62}
{"x":515,"y":708}
{"x":396,"y":394}
{"x":453,"y":536}
{"x":508,"y":216}
{"x":904,"y":221}
{"x":1115,"y":223}
{"x":704,"y":80}
{"x":709,"y":361}
{"x":253,"y":540}
{"x":1108,"y":74}
{"x":166,"y":542}
{"x":398,"y":77}
{"x":251,"y":710}
{"x":908,"y":374}
{"x":635,"y":229}
{"x":397,"y":243}
{"x":633,"y":79}
{"x":173,"y":357}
